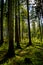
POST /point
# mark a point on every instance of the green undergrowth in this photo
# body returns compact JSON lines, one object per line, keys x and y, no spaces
{"x":34,"y":53}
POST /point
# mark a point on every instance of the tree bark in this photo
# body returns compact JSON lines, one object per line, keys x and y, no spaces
{"x":16,"y":27}
{"x":30,"y":43}
{"x":19,"y":18}
{"x":10,"y":52}
{"x":22,"y":26}
{"x":11,"y":27}
{"x":1,"y":22}
{"x":40,"y":28}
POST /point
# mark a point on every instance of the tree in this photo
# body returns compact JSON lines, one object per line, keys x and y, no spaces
{"x":1,"y":22}
{"x":39,"y":14}
{"x":30,"y":43}
{"x":10,"y":52}
{"x":22,"y":26}
{"x":19,"y":19}
{"x":40,"y":28}
{"x":11,"y":26}
{"x":33,"y":17}
{"x":16,"y":25}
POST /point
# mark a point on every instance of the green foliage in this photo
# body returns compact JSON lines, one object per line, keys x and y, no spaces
{"x":24,"y":42}
{"x":35,"y":53}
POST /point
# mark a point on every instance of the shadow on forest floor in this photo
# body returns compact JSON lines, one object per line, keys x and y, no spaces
{"x":32,"y":55}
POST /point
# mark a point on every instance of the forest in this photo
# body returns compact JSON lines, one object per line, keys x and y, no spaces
{"x":21,"y":32}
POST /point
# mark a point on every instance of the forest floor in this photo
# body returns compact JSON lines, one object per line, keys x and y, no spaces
{"x":34,"y":53}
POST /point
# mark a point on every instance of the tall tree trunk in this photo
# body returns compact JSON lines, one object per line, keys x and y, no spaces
{"x":16,"y":26}
{"x":33,"y":28}
{"x":10,"y":52}
{"x":1,"y":22}
{"x":40,"y":28}
{"x":0,"y":31}
{"x":19,"y":18}
{"x":11,"y":27}
{"x":30,"y":43}
{"x":22,"y":26}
